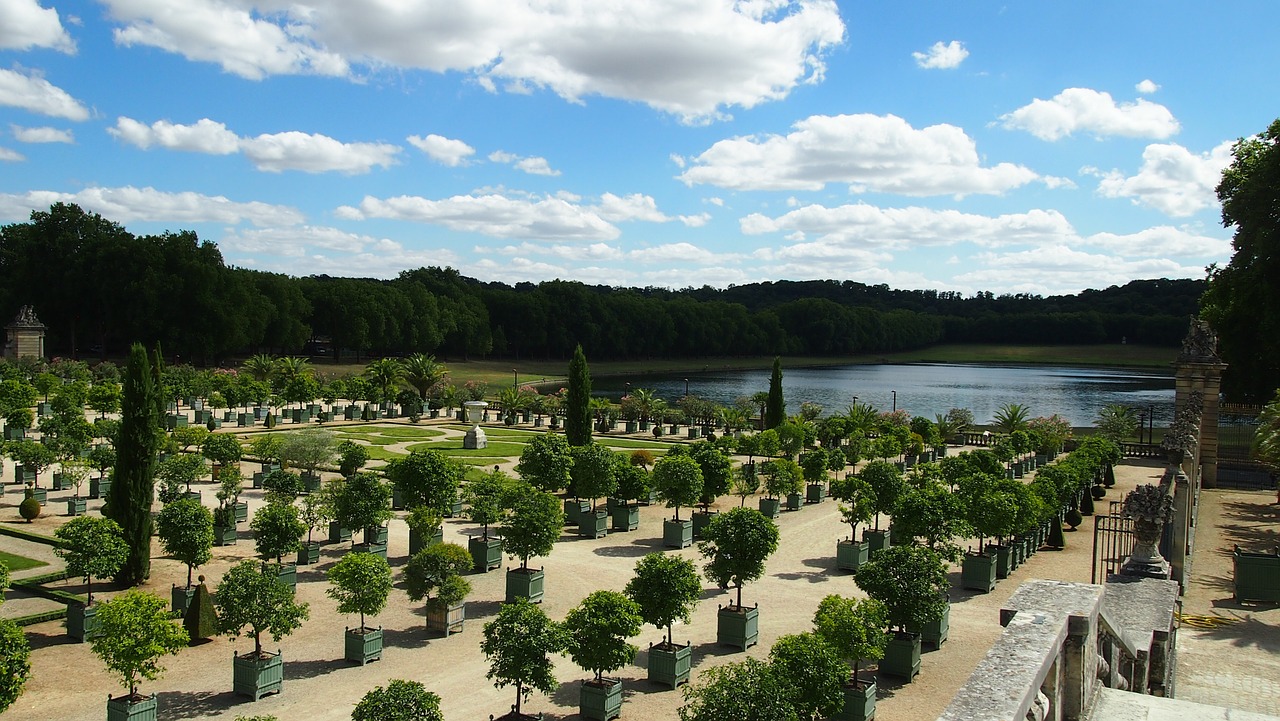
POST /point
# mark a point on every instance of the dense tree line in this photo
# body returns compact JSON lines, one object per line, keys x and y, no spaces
{"x":100,"y":288}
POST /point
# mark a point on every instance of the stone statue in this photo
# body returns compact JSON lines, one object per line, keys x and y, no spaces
{"x":1200,"y":345}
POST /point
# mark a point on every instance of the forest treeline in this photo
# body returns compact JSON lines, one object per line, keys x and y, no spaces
{"x":99,"y":288}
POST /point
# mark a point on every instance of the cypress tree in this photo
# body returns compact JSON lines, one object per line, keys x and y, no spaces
{"x":577,"y":416}
{"x":129,"y":501}
{"x":775,"y":410}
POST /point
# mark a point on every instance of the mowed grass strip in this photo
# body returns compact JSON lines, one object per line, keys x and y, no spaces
{"x":19,"y":563}
{"x":453,"y":448}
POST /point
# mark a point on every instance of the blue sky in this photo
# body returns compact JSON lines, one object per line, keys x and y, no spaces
{"x":968,"y":146}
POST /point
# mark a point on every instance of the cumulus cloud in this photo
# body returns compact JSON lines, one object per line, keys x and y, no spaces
{"x":1172,"y":179}
{"x":533,"y":165}
{"x":1091,"y":111}
{"x":942,"y":56}
{"x":11,"y":156}
{"x":869,"y":152}
{"x":127,"y":204}
{"x":41,"y":135}
{"x":307,"y":152}
{"x":1064,"y":269}
{"x":445,"y":151}
{"x":1146,"y":87}
{"x":31,"y":92}
{"x":1162,"y":242}
{"x":25,"y":25}
{"x":689,"y":59}
{"x":636,"y":206}
{"x":492,"y":214}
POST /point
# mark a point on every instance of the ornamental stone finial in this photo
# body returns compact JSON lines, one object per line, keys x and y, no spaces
{"x":1200,"y":345}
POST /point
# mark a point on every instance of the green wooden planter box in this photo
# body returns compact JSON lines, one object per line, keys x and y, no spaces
{"x":878,"y":540}
{"x":453,"y":510}
{"x":338,"y":534}
{"x":794,"y":501}
{"x":626,"y":518}
{"x":286,"y":573}
{"x":77,"y":506}
{"x":255,"y":677}
{"x":670,"y":665}
{"x":418,"y":541}
{"x":41,"y":495}
{"x":363,"y":645}
{"x":897,"y":537}
{"x":125,"y":708}
{"x":376,"y":534}
{"x":180,"y":598}
{"x":1256,"y":576}
{"x":575,"y":510}
{"x":770,"y":507}
{"x":308,"y":554}
{"x":377,"y":549}
{"x":851,"y":555}
{"x":814,"y":492}
{"x":902,"y":657}
{"x":82,"y":621}
{"x":241,"y":511}
{"x":99,"y":487}
{"x":677,"y":534}
{"x":859,"y":702}
{"x":486,"y":554}
{"x":224,"y":535}
{"x":601,"y":700}
{"x":978,"y":572}
{"x":632,"y":426}
{"x":1004,"y":560}
{"x":196,"y":496}
{"x":525,"y":583}
{"x":700,"y":521}
{"x":60,"y":481}
{"x":446,"y":619}
{"x":935,"y":633}
{"x":593,"y":524}
{"x":14,"y":434}
{"x":738,"y":626}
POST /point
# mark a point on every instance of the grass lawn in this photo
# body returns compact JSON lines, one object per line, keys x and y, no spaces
{"x":453,"y":448}
{"x":19,"y":563}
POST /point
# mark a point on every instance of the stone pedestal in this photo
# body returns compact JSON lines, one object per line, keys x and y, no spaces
{"x":475,"y":438}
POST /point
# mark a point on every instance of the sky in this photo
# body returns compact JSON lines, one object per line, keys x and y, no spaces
{"x":1020,"y":147}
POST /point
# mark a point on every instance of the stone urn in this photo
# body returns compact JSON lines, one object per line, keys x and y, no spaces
{"x":1150,"y":508}
{"x":475,"y":437}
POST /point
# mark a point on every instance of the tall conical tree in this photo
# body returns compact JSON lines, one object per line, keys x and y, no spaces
{"x":577,"y":407}
{"x":775,"y":409}
{"x":129,"y":500}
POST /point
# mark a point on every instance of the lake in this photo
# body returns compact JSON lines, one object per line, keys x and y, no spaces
{"x":927,"y":389}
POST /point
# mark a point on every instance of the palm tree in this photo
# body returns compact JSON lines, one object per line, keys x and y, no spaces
{"x":761,"y":401}
{"x":1266,"y":440}
{"x":1117,"y":422}
{"x":644,"y":400}
{"x":861,"y":417}
{"x":261,"y":367}
{"x":291,"y":367}
{"x":385,"y":373}
{"x":1011,"y":417}
{"x":423,"y":372}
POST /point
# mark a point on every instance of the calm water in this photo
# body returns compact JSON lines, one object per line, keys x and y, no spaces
{"x":927,"y":389}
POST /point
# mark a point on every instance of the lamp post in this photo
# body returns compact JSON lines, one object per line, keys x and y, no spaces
{"x":1142,"y":425}
{"x":626,"y":389}
{"x":855,"y":402}
{"x":516,"y":374}
{"x":895,"y":401}
{"x":686,"y":387}
{"x":1151,"y":420}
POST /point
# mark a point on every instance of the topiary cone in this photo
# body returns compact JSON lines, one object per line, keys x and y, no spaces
{"x":1055,"y":539}
{"x":201,"y":620}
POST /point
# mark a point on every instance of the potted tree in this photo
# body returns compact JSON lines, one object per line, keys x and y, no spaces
{"x":814,"y":465}
{"x":309,"y":450}
{"x":667,"y":589}
{"x":856,"y":629}
{"x":135,"y":633}
{"x":361,"y":583}
{"x":633,"y":484}
{"x":814,"y":672}
{"x":74,"y":472}
{"x":426,"y":478}
{"x":365,"y":502}
{"x":518,"y":644}
{"x":886,"y":485}
{"x":222,"y":450}
{"x":596,"y":633}
{"x":312,"y":515}
{"x":426,"y":527}
{"x":784,"y":479}
{"x":736,"y":545}
{"x":439,"y":569}
{"x":34,"y":458}
{"x":750,"y":690}
{"x":857,"y":505}
{"x":276,"y":532}
{"x":487,"y":498}
{"x":102,"y":457}
{"x":177,"y":473}
{"x":678,"y":480}
{"x":911,"y":582}
{"x":230,"y":486}
{"x":717,"y":473}
{"x":329,"y":494}
{"x":250,"y":602}
{"x":545,"y":462}
{"x":400,"y":701}
{"x":531,"y":529}
{"x":186,"y":532}
{"x":591,"y":478}
{"x":91,"y":546}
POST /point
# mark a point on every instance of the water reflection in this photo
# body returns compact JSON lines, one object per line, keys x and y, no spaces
{"x":926,"y":389}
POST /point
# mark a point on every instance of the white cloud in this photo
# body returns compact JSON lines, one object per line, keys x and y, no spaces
{"x":869,"y":152}
{"x":533,"y":165}
{"x":1091,"y":111}
{"x":1163,"y":242}
{"x":590,"y":251}
{"x":11,"y":156}
{"x":314,"y":153}
{"x":24,"y":24}
{"x":1146,"y":87}
{"x":299,"y":241}
{"x":445,"y":151}
{"x":1063,"y":269}
{"x":695,"y":221}
{"x":1172,"y":179}
{"x":942,"y":56}
{"x":681,"y":253}
{"x":494,"y":215}
{"x":636,"y":206}
{"x":127,"y":204}
{"x":41,"y":135}
{"x":205,"y":136}
{"x":691,"y":59}
{"x":31,"y":92}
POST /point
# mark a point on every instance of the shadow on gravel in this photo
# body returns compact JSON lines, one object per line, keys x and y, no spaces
{"x":414,"y":637}
{"x":1247,"y":632}
{"x":482,"y":609}
{"x":712,"y":649}
{"x":38,"y":641}
{"x":637,"y":548}
{"x":186,"y":704}
{"x":313,"y":668}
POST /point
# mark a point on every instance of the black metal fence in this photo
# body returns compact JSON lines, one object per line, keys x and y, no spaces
{"x":1113,"y":542}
